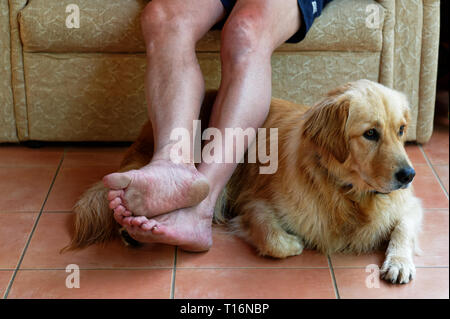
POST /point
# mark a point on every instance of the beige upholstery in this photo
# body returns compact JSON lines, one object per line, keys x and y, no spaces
{"x":7,"y":121}
{"x":118,"y":29}
{"x":87,"y":84}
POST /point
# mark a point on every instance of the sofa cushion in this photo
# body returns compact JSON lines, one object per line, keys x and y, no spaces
{"x":101,"y":97}
{"x":113,"y":26}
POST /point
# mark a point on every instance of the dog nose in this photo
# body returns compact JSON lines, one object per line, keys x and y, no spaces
{"x":405,"y":175}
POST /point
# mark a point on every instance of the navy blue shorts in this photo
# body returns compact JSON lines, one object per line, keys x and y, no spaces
{"x":309,"y":9}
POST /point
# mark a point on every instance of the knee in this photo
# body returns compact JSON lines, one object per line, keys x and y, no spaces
{"x":160,"y":21}
{"x":243,"y":38}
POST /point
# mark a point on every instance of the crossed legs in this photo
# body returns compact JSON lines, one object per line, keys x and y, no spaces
{"x":173,"y":203}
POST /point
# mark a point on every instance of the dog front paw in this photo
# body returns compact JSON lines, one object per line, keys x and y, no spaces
{"x":398,"y":270}
{"x":282,"y":246}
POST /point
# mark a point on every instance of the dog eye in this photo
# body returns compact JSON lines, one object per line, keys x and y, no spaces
{"x":402,"y":130}
{"x":372,"y":135}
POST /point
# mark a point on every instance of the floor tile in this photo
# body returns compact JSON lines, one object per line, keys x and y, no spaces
{"x":437,"y":147}
{"x":434,"y":239}
{"x":427,"y":188}
{"x":253,"y":283}
{"x":5,"y":277}
{"x":353,"y":260}
{"x":415,"y":154}
{"x":442,"y":172}
{"x":71,"y":183}
{"x":53,"y":233}
{"x":231,"y":251}
{"x":24,"y":188}
{"x":15,"y":229}
{"x":94,"y":157}
{"x":17,"y":155}
{"x":429,"y":283}
{"x":51,"y":284}
{"x":116,"y":148}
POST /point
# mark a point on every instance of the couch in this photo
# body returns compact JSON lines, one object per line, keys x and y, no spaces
{"x":87,"y":83}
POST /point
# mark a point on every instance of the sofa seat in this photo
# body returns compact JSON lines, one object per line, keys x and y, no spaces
{"x":116,"y":28}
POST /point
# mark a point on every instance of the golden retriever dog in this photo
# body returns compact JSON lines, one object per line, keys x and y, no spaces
{"x":343,"y":182}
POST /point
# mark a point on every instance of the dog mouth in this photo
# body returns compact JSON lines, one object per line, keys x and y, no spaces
{"x":391,"y":189}
{"x":372,"y":186}
{"x":380,"y":190}
{"x":374,"y":189}
{"x":403,"y":186}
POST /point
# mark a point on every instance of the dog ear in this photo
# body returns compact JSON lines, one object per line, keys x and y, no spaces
{"x":324,"y":126}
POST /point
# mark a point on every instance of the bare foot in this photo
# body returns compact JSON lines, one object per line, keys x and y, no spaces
{"x":159,"y":187}
{"x":188,"y":228}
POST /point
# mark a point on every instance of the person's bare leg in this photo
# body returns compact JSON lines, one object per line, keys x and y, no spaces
{"x":252,"y":32}
{"x":174,"y":90}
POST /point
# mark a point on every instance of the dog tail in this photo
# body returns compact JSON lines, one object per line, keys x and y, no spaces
{"x":226,"y":204}
{"x":94,"y":220}
{"x":222,"y":209}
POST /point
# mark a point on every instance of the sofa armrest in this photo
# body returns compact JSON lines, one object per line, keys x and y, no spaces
{"x":17,"y":70}
{"x":409,"y":58}
{"x":428,"y":69}
{"x":7,"y":120}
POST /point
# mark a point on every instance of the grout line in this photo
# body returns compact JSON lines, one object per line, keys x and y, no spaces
{"x":203,"y":268}
{"x":5,"y":295}
{"x":172,"y":288}
{"x":274,"y":268}
{"x":434,"y":172}
{"x":417,"y":267}
{"x":171,"y":267}
{"x":25,"y":165}
{"x":99,"y":268}
{"x":333,"y":277}
{"x":58,"y":211}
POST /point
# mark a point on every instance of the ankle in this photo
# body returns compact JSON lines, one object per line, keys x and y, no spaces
{"x":168,"y":153}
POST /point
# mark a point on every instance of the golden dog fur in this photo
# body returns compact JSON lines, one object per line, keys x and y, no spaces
{"x":334,"y":190}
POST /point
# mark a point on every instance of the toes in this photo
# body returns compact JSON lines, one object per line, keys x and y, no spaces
{"x":115,"y":193}
{"x":406,"y":274}
{"x":127,"y":213}
{"x":392,"y":274}
{"x":398,"y":270}
{"x":403,"y":277}
{"x":118,"y":217}
{"x":119,"y":210}
{"x":138,"y":221}
{"x":149,"y":225}
{"x":115,"y":203}
{"x":117,"y":181}
{"x":127,"y":221}
{"x":142,"y":234}
{"x":119,"y":214}
{"x":159,"y":229}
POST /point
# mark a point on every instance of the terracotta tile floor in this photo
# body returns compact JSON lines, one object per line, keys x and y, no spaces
{"x":40,"y":186}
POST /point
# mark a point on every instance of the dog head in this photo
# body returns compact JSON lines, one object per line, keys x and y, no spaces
{"x":359,"y":132}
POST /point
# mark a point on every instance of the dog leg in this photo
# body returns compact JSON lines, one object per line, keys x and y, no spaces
{"x":398,"y":266}
{"x":260,"y":227}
